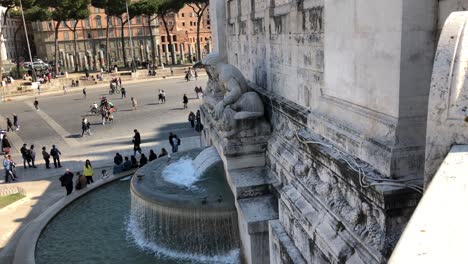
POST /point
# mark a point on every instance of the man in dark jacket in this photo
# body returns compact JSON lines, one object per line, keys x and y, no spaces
{"x":46,"y":157}
{"x":67,"y":181}
{"x":25,"y":155}
{"x":136,"y":142}
{"x":118,"y":159}
{"x":55,"y":153}
{"x":171,"y":136}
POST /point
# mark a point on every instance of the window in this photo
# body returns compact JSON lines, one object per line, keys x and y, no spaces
{"x":208,"y":22}
{"x":111,"y":33}
{"x":183,"y":15}
{"x":163,"y":38}
{"x":191,"y":14}
{"x":100,"y":33}
{"x":174,"y":38}
{"x":170,"y":23}
{"x":183,"y":24}
{"x":110,"y":21}
{"x":140,"y":32}
{"x":66,"y":36}
{"x":191,"y":23}
{"x":87,"y":23}
{"x":96,"y":10}
{"x":98,"y":21}
{"x":51,"y":28}
{"x":138,"y":20}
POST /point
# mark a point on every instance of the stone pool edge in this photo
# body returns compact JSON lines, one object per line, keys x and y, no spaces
{"x":25,"y":252}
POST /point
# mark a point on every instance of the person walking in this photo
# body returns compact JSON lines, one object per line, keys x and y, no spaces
{"x":88,"y":172}
{"x":136,"y":142}
{"x":185,"y":101}
{"x":123,"y":93}
{"x":65,"y":92}
{"x":134,"y":103}
{"x":15,"y":121}
{"x":67,"y":181}
{"x":36,"y":104}
{"x":196,"y":74}
{"x":6,"y":145}
{"x":55,"y":153}
{"x":46,"y":157}
{"x":163,"y":96}
{"x":152,"y":155}
{"x":85,"y":127}
{"x":172,"y":71}
{"x":7,"y":167}
{"x":9,"y":125}
{"x":197,"y":92}
{"x":191,"y":119}
{"x":143,"y":160}
{"x":84,"y":92}
{"x":26,"y":156}
{"x":32,"y":155}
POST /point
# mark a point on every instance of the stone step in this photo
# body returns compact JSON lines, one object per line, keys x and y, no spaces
{"x":251,"y":182}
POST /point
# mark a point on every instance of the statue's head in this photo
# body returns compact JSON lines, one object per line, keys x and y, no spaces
{"x":209,"y":63}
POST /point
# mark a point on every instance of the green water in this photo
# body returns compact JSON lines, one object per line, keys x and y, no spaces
{"x":93,"y":230}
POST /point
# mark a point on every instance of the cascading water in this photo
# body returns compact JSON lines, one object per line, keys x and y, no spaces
{"x":182,"y":207}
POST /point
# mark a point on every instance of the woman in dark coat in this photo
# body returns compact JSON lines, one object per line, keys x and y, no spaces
{"x":185,"y":101}
{"x":6,"y":145}
{"x":152,"y":155}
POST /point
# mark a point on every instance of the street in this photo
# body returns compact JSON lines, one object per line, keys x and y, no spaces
{"x":59,"y":122}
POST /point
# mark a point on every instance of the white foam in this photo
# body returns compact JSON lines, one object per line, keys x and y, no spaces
{"x":136,"y":235}
{"x":181,"y":172}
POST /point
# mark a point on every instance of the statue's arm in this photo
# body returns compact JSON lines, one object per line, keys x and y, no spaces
{"x":233,"y":92}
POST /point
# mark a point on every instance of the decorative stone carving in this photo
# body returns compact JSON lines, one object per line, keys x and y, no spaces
{"x":229,"y":99}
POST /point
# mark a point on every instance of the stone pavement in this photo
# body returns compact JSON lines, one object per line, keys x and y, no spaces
{"x":48,"y":126}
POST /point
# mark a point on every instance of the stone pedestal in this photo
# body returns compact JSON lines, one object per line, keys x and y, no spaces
{"x":244,"y":161}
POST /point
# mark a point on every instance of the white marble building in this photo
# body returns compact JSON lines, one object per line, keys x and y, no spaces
{"x":9,"y":47}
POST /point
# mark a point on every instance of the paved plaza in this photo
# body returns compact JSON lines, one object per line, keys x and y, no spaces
{"x":59,"y":122}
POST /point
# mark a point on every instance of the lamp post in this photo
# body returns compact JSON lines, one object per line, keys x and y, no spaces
{"x":130,"y":35}
{"x":27,"y":42}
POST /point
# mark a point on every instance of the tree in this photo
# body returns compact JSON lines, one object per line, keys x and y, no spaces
{"x":166,"y":8}
{"x":79,"y":11}
{"x":148,"y":9}
{"x":60,"y":11}
{"x":199,"y":7}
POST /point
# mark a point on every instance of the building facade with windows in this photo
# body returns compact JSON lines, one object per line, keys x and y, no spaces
{"x":91,"y":40}
{"x":183,"y":31}
{"x":13,"y":45}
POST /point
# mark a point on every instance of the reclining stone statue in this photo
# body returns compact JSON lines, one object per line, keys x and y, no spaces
{"x":228,"y":97}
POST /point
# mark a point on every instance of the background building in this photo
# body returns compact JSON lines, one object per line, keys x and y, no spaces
{"x":183,"y":31}
{"x":91,"y":37}
{"x":13,"y":46}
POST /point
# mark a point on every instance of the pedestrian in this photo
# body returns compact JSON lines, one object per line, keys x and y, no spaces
{"x":84,"y":92}
{"x":9,"y":125}
{"x":46,"y":157}
{"x":163,"y":153}
{"x":73,"y":83}
{"x":55,"y":153}
{"x":6,"y":144}
{"x":7,"y":167}
{"x":143,"y":160}
{"x":84,"y":126}
{"x":81,"y":181}
{"x":26,"y":156}
{"x":191,"y":119}
{"x":185,"y":101}
{"x":175,"y":144}
{"x":187,"y":76}
{"x":67,"y":181}
{"x":163,"y":96}
{"x":197,"y":92}
{"x":160,"y":97}
{"x":172,"y":71}
{"x":88,"y":172}
{"x":136,"y":142}
{"x":152,"y":155}
{"x":134,"y":162}
{"x":36,"y":104}
{"x":118,"y":159}
{"x":32,"y":154}
{"x":123,"y":92}
{"x":171,"y":137}
{"x":196,"y":74}
{"x":64,"y":90}
{"x":134,"y":103}
{"x":39,"y":88}
{"x":15,"y":121}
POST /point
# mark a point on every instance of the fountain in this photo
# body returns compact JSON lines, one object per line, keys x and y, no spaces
{"x":182,"y":207}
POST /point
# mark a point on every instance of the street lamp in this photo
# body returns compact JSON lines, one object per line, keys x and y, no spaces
{"x":27,"y":42}
{"x":130,"y":35}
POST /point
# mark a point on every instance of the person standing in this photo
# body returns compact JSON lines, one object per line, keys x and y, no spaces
{"x":171,"y":142}
{"x":191,"y":119}
{"x":197,"y":92}
{"x":46,"y":157}
{"x":36,"y":104}
{"x":88,"y":172}
{"x":65,"y":92}
{"x":26,"y":156}
{"x":32,"y":154}
{"x":134,"y":103}
{"x":196,"y":74}
{"x":15,"y":121}
{"x":123,"y":92}
{"x":185,"y":101}
{"x":7,"y":167}
{"x":84,"y":92}
{"x":136,"y":142}
{"x":55,"y":153}
{"x":163,"y":97}
{"x":6,"y":144}
{"x":67,"y":181}
{"x":175,"y":144}
{"x":9,"y":125}
{"x":172,"y":71}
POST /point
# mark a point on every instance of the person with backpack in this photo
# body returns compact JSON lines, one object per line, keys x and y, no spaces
{"x":46,"y":157}
{"x":26,"y":156}
{"x":55,"y":153}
